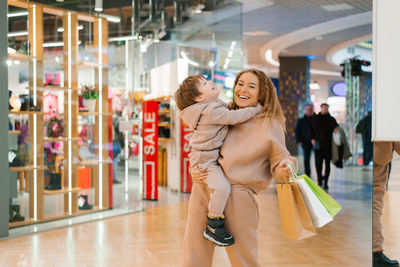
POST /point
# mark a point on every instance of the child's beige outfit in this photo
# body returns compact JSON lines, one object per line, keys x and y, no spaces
{"x":209,"y":120}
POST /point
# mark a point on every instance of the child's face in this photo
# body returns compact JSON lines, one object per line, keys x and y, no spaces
{"x":208,"y":90}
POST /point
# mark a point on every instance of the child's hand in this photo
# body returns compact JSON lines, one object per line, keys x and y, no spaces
{"x":282,"y":172}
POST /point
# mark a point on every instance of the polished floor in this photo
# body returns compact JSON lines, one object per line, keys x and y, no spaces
{"x":154,"y":237}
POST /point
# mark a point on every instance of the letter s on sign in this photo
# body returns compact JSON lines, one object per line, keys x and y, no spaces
{"x":149,"y":149}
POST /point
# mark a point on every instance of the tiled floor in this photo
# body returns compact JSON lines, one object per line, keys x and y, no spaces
{"x":154,"y":237}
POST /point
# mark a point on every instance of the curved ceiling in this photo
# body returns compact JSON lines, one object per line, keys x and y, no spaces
{"x":304,"y":28}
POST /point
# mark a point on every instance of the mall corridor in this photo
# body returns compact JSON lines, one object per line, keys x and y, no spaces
{"x":154,"y":237}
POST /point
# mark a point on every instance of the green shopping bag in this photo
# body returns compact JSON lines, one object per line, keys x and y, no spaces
{"x":327,"y":201}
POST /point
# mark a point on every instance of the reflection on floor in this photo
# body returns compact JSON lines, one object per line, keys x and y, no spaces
{"x":391,"y":215}
{"x":154,"y":237}
{"x":123,"y":203}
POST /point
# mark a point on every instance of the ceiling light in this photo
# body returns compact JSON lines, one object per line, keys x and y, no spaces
{"x":53,"y":44}
{"x":257,"y":33}
{"x":122,"y":38}
{"x":98,"y":6}
{"x":337,"y":7}
{"x":230,"y":53}
{"x":225,"y":67}
{"x":156,"y":40}
{"x":191,"y":62}
{"x":211,"y":64}
{"x":325,"y":72}
{"x":57,"y":59}
{"x":268,"y":57}
{"x":233,"y":45}
{"x":17,"y":14}
{"x":14,"y":34}
{"x":61,"y":29}
{"x":16,"y":62}
{"x":110,"y":18}
{"x":227,"y":61}
{"x":9,"y":62}
{"x":315,"y":86}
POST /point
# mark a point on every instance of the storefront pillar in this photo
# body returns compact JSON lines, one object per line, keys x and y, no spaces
{"x":4,"y":188}
{"x":294,"y":93}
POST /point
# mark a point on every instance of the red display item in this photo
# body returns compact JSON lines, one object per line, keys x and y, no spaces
{"x":150,"y":150}
{"x":186,"y":179}
{"x":84,"y":178}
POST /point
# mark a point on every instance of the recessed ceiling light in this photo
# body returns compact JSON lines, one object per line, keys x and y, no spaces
{"x":257,"y":33}
{"x":337,"y":7}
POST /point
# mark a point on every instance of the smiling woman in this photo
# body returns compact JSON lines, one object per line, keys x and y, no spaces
{"x":252,"y":153}
{"x":253,"y":86}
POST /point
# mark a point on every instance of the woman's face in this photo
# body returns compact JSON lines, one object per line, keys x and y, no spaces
{"x":246,"y":90}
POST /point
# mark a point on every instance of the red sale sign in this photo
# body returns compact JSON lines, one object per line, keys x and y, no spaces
{"x":150,"y":150}
{"x":186,"y":179}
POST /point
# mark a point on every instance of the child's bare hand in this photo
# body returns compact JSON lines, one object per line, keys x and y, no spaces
{"x":198,"y":175}
{"x":282,"y":172}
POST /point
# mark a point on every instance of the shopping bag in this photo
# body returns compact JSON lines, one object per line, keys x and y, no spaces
{"x":327,"y":201}
{"x":319,"y":215}
{"x":296,"y":221}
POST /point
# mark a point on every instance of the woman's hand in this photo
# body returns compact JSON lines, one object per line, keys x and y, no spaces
{"x":198,"y":175}
{"x":282,"y":172}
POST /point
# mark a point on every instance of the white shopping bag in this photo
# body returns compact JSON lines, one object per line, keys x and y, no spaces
{"x":319,"y":215}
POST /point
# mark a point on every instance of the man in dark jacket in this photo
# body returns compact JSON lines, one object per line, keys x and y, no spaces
{"x":364,"y":127}
{"x":321,"y":138}
{"x":303,"y":135}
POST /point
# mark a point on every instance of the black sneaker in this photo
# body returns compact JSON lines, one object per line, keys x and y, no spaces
{"x":216,"y":232}
{"x":381,"y":260}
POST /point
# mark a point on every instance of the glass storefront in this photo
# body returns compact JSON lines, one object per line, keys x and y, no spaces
{"x":79,"y":83}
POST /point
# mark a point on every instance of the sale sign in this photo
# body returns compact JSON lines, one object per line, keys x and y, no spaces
{"x":186,"y":179}
{"x":150,"y":150}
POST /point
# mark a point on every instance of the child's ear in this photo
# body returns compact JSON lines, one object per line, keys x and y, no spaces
{"x":199,"y":98}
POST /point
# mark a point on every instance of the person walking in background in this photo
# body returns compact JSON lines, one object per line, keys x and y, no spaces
{"x":321,"y":138}
{"x":364,"y":127}
{"x":303,"y":136}
{"x":383,"y":154}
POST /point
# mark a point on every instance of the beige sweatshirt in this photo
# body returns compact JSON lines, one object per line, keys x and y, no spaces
{"x":209,"y":120}
{"x":251,"y":152}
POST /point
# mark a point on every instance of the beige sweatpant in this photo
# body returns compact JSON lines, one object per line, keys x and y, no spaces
{"x":241,"y":222}
{"x":219,"y":190}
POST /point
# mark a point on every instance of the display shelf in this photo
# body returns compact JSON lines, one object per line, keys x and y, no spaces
{"x":164,"y":111}
{"x":21,"y":57}
{"x":94,"y":162}
{"x":164,"y":125}
{"x":26,"y":168}
{"x":24,"y":112}
{"x":14,"y":132}
{"x":87,"y":64}
{"x":94,"y":209}
{"x":62,"y":191}
{"x":60,"y":139}
{"x":19,"y":224}
{"x":54,"y":216}
{"x":51,"y":87}
{"x":85,"y":113}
